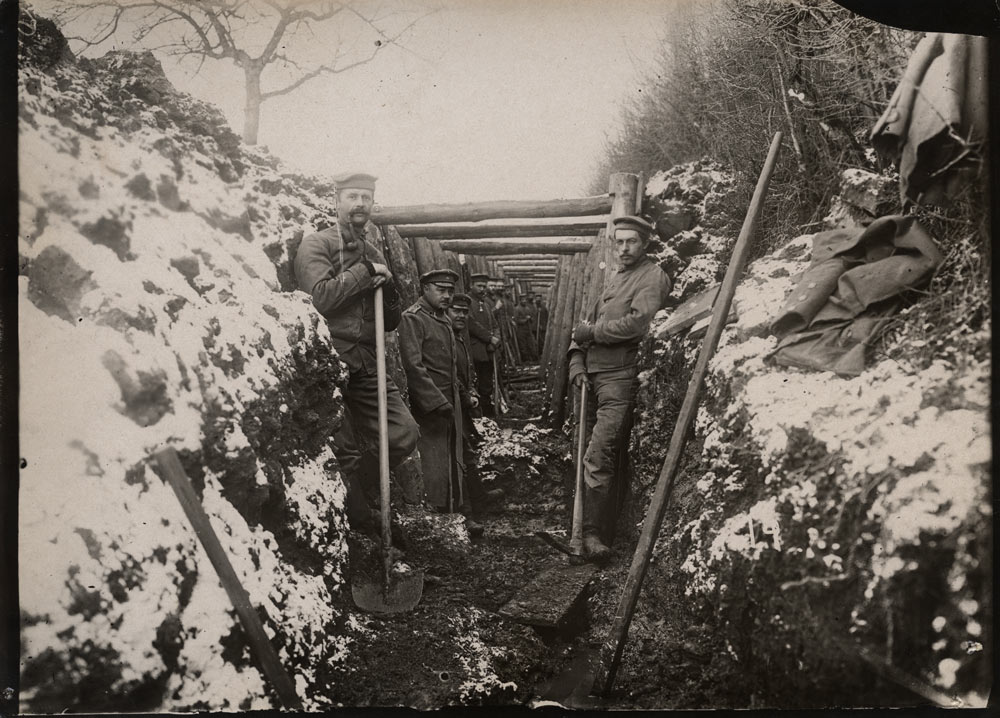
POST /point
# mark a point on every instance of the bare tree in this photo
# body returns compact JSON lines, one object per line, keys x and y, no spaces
{"x":255,"y":35}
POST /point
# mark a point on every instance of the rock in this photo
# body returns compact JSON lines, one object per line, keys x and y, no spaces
{"x":111,"y":231}
{"x":144,"y":395}
{"x":141,"y":188}
{"x":56,"y":283}
{"x":875,"y":194}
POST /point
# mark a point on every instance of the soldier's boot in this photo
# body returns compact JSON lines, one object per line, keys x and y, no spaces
{"x":595,"y":503}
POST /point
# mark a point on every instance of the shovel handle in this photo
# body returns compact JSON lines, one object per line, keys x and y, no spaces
{"x":576,"y":534}
{"x":169,"y":467}
{"x":383,"y":436}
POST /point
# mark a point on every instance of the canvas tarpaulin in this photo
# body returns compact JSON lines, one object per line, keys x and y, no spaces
{"x":937,"y":120}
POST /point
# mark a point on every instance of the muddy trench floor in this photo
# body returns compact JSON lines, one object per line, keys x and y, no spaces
{"x":422,"y":658}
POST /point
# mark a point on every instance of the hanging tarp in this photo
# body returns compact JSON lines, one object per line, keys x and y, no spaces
{"x":937,"y":120}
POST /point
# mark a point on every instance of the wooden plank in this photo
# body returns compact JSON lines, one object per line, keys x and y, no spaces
{"x":168,"y":465}
{"x":476,"y":211}
{"x":515,"y":246}
{"x":480,"y":230}
{"x":548,"y":601}
{"x":696,"y":308}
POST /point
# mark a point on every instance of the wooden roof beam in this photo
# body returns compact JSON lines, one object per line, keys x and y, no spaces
{"x":476,"y":211}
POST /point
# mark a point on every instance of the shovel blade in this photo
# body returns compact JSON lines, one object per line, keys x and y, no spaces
{"x":402,"y":594}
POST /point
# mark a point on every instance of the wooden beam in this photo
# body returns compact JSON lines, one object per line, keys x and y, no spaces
{"x":503,"y":258}
{"x":480,"y":230}
{"x":496,"y":247}
{"x":476,"y":211}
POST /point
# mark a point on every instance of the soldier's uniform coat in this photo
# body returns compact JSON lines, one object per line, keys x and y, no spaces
{"x":338,"y":275}
{"x":621,"y":316}
{"x":427,"y":347}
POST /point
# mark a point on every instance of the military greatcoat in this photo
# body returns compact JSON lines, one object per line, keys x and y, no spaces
{"x":427,"y":347}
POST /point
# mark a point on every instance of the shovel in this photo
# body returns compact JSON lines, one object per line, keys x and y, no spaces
{"x":499,"y":401}
{"x":575,"y":547}
{"x":396,"y":592}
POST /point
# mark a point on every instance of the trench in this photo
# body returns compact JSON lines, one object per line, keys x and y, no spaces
{"x":415,"y":659}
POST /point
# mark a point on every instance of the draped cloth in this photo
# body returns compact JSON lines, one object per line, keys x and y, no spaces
{"x":855,"y":280}
{"x":937,"y":119}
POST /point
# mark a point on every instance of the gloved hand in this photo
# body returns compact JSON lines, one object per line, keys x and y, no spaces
{"x":583,"y":333}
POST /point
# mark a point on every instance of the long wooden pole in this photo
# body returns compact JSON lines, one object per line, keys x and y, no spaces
{"x":615,"y":643}
{"x":476,"y":211}
{"x":515,"y":246}
{"x":169,"y":465}
{"x":383,"y":440}
{"x":479,"y":230}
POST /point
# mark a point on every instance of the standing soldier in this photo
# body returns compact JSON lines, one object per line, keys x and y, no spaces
{"x":340,"y":267}
{"x":542,"y":322}
{"x":603,"y":353}
{"x":523,"y":320}
{"x":459,"y":313}
{"x":484,"y":335}
{"x":427,"y":346}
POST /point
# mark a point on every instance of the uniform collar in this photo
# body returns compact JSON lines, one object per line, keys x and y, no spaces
{"x":346,"y":233}
{"x":641,"y":262}
{"x":430,"y":310}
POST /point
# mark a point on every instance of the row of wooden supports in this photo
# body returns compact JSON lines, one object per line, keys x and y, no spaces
{"x":559,"y":255}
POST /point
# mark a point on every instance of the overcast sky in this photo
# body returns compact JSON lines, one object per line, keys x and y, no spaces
{"x":492,"y":99}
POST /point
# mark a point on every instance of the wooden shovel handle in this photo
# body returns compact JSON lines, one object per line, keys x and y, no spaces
{"x":170,"y":469}
{"x":383,"y":437}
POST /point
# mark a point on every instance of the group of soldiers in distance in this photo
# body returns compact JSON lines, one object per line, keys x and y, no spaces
{"x":456,"y":349}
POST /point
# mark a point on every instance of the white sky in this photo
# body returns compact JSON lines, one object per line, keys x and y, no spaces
{"x":492,"y":99}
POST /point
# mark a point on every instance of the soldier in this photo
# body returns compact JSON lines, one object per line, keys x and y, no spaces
{"x":524,"y":320}
{"x":479,"y":498}
{"x":542,"y":322}
{"x":340,"y":267}
{"x":427,"y":346}
{"x":603,"y":353}
{"x":484,"y":335}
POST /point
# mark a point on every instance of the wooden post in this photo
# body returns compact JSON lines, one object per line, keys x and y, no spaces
{"x":545,"y":359}
{"x":422,"y":254}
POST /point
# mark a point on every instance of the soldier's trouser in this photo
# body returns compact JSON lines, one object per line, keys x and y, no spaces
{"x":476,"y":493}
{"x":360,"y":427}
{"x":609,"y":406}
{"x":484,"y":385}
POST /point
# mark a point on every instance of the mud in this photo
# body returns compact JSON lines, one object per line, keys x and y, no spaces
{"x":421,"y":659}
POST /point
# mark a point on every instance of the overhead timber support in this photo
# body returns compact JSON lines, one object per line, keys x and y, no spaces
{"x":498,"y":247}
{"x":480,"y":230}
{"x":477,"y":211}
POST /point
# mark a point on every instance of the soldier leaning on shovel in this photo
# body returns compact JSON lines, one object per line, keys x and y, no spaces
{"x":603,"y":353}
{"x":479,"y":497}
{"x":340,"y":267}
{"x":427,"y":347}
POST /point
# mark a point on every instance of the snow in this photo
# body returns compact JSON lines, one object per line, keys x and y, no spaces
{"x":139,"y":355}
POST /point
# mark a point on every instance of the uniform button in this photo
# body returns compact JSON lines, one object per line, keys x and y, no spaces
{"x":812,"y":285}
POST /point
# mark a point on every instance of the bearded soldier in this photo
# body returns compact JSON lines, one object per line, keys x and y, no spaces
{"x":340,"y":267}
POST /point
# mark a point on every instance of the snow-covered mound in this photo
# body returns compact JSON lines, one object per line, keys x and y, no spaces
{"x":820,"y":519}
{"x":693,"y":207}
{"x":153,"y":255}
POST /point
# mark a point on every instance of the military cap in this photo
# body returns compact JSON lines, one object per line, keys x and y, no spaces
{"x":439,"y":276}
{"x":461,"y":301}
{"x":479,"y":277}
{"x":355,"y":180}
{"x":632,"y":222}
